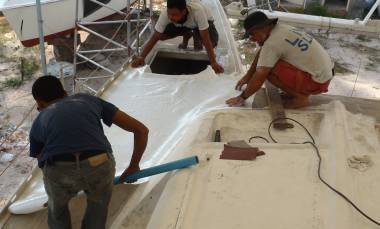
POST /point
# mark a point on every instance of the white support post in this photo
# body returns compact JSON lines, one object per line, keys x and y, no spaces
{"x":251,"y":3}
{"x":41,"y":37}
{"x":75,"y":45}
{"x":269,"y":6}
{"x":138,"y":25}
{"x":366,"y":19}
{"x":129,"y":26}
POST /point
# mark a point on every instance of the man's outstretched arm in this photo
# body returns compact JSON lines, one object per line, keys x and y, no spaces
{"x":140,"y":60}
{"x":254,"y":84}
{"x":210,"y":51}
{"x":140,"y":132}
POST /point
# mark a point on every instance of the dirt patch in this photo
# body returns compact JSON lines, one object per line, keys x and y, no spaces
{"x":341,"y":68}
{"x":19,"y":66}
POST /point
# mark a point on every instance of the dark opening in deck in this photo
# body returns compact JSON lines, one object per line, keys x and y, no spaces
{"x":171,"y":63}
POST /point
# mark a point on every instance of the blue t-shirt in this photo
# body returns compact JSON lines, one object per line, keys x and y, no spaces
{"x":70,"y":125}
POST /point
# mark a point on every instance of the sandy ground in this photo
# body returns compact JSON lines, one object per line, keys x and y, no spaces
{"x":15,"y":101}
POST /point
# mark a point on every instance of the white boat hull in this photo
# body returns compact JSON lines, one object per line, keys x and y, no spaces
{"x":58,"y":18}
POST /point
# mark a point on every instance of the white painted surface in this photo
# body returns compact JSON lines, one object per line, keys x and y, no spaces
{"x":280,"y":189}
{"x":314,"y":21}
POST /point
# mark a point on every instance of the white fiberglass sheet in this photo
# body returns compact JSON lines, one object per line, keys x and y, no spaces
{"x":166,"y":104}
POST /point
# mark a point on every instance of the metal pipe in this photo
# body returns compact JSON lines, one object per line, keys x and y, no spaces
{"x":128,"y":26}
{"x":269,"y":6}
{"x":366,"y":19}
{"x":75,"y":45}
{"x":251,"y":3}
{"x":101,"y":36}
{"x":324,"y":22}
{"x":89,"y":88}
{"x":93,"y":77}
{"x":101,"y":50}
{"x":138,"y":25}
{"x":151,"y":14}
{"x":316,"y":21}
{"x":142,"y":31}
{"x":111,"y":22}
{"x":95,"y":63}
{"x":108,"y":7}
{"x":41,"y":36}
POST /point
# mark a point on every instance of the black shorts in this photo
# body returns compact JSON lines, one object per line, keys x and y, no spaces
{"x":172,"y":31}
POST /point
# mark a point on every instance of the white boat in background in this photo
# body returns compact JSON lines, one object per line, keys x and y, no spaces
{"x":58,"y":16}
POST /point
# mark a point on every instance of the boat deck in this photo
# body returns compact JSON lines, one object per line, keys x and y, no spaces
{"x":171,"y":107}
{"x":264,"y":181}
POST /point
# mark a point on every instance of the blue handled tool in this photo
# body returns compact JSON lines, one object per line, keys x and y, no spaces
{"x":179,"y":164}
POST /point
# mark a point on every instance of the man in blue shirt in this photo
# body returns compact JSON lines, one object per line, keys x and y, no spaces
{"x":68,"y":140}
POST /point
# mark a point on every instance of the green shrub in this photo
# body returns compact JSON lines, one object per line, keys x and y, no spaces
{"x":317,"y":10}
{"x":156,"y":14}
{"x":363,"y":38}
{"x":28,"y":67}
{"x":12,"y":83}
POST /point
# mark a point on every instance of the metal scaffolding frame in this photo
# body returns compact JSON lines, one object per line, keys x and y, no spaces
{"x":132,"y":47}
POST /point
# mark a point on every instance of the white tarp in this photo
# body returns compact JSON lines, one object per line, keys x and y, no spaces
{"x":166,"y":104}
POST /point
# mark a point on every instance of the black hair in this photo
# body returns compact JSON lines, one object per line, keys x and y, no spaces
{"x":178,"y":4}
{"x":47,"y":88}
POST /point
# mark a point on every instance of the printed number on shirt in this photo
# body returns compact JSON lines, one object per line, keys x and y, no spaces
{"x":303,"y":41}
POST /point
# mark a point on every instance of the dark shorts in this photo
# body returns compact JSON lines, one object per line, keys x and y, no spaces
{"x":298,"y":80}
{"x":172,"y":31}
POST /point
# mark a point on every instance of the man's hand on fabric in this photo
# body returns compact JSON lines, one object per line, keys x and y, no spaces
{"x":244,"y":80}
{"x":130,"y":170}
{"x":217,"y":68}
{"x":138,"y":62}
{"x":235,"y":101}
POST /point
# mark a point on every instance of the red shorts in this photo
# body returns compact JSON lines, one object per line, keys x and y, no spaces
{"x":298,"y":80}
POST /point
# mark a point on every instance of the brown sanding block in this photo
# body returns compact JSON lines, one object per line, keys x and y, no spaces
{"x":237,"y":153}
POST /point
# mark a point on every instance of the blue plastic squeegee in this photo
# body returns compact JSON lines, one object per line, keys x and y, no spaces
{"x":179,"y":164}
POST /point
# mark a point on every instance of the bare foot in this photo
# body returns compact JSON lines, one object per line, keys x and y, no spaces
{"x":286,"y":96}
{"x":182,"y":46}
{"x":198,"y":45}
{"x":297,"y":102}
